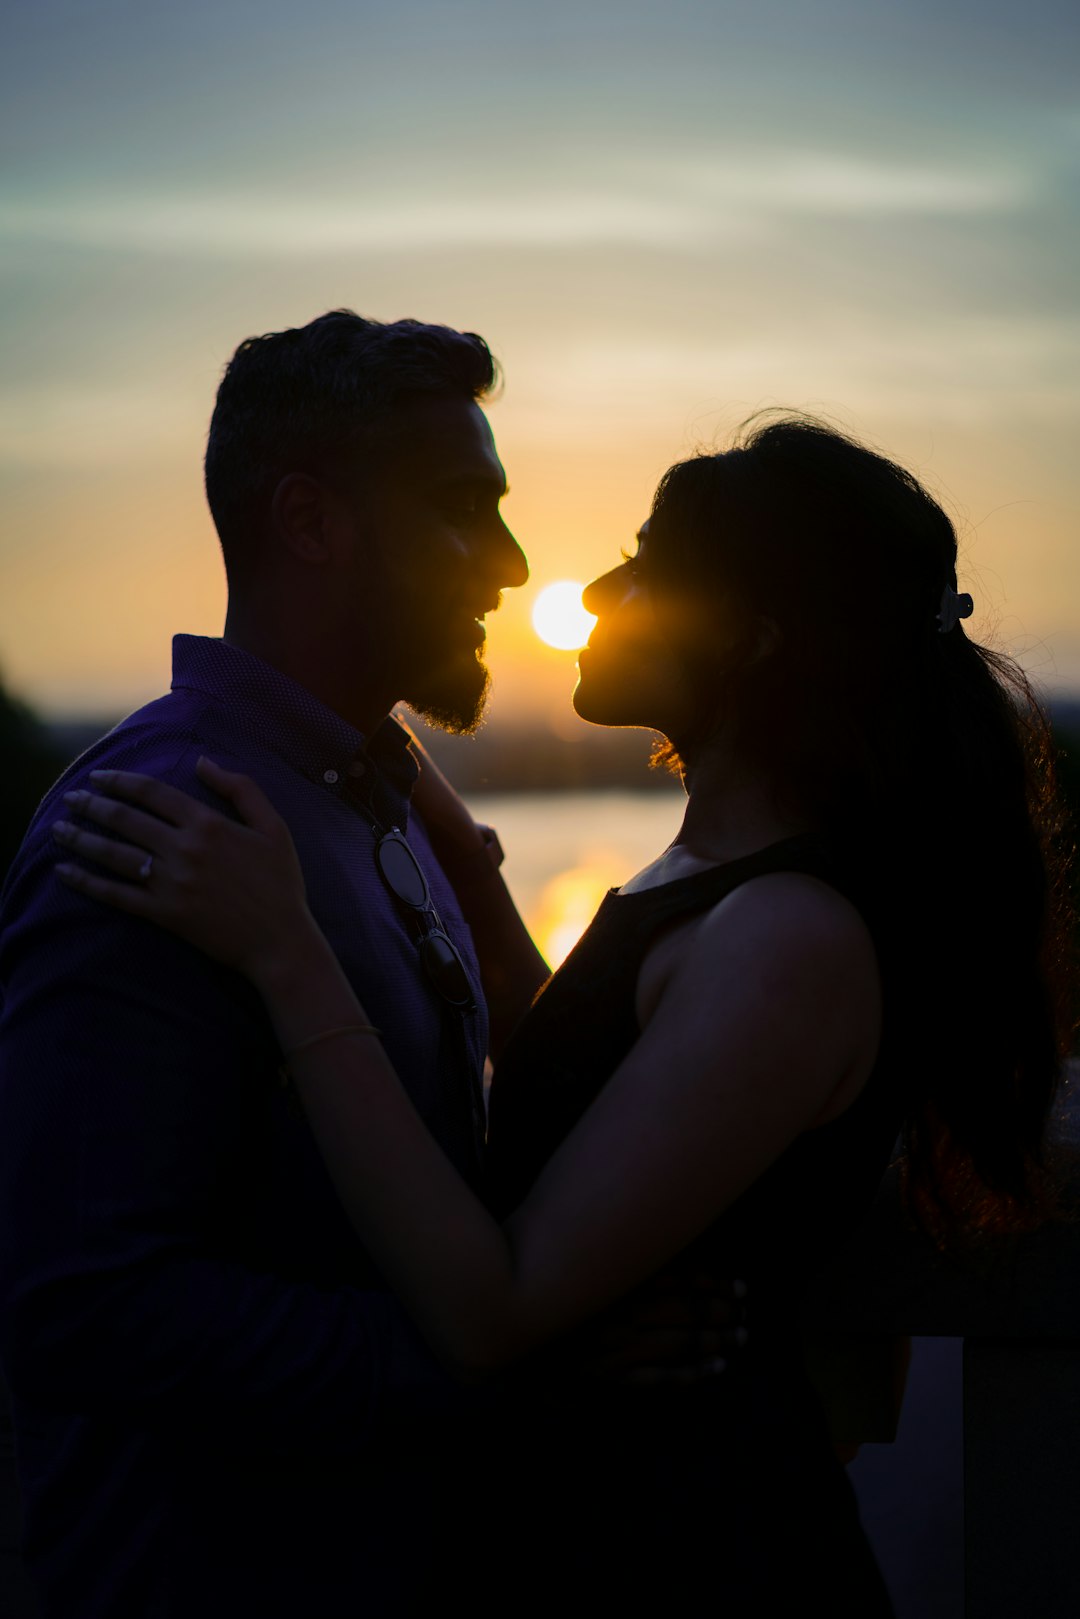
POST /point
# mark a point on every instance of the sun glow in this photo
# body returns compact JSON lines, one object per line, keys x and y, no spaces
{"x":570,"y":900}
{"x":559,"y":618}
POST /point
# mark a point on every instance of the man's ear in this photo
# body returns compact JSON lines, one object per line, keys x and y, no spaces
{"x":301,"y":514}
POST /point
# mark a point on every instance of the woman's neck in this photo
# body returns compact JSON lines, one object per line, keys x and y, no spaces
{"x":730,"y":813}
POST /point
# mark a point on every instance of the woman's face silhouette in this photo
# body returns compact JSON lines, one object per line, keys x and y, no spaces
{"x":629,"y":673}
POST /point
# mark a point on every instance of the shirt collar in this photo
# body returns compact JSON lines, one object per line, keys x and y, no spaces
{"x":288,"y":718}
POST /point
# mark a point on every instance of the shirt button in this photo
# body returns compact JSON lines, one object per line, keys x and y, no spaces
{"x":329,"y":776}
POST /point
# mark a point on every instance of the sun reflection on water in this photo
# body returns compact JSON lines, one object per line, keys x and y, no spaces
{"x":565,"y":850}
{"x":569,"y":901}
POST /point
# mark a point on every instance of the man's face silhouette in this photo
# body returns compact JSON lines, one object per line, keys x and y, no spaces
{"x":433,"y":554}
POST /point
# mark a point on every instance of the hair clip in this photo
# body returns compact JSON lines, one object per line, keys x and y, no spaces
{"x":954,"y":607}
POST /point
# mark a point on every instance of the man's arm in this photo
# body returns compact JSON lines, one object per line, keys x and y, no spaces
{"x":130,"y":1076}
{"x":511,"y":967}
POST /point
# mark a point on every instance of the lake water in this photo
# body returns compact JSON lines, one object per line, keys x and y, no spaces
{"x":565,"y":850}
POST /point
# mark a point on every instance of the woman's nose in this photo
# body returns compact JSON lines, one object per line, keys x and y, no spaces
{"x":603,"y":591}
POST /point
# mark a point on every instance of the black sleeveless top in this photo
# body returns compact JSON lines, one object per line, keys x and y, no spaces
{"x":726,"y":1491}
{"x":583,"y":1024}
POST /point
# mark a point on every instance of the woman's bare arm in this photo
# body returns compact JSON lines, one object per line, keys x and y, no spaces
{"x":769,"y":1013}
{"x":747,"y":1045}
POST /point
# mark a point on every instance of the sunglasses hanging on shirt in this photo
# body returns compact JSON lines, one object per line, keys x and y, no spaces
{"x":404,"y":876}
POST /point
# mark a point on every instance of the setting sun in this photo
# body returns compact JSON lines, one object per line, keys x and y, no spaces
{"x":559,"y":618}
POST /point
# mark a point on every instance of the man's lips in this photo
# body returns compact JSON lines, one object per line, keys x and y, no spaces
{"x":474,"y":629}
{"x":481,"y":616}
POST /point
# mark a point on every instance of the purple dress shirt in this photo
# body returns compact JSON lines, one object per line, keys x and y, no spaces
{"x":220,"y":1408}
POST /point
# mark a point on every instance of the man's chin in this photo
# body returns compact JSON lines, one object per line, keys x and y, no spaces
{"x":456,"y":701}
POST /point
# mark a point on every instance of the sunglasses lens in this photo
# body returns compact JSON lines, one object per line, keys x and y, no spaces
{"x":446,"y":969}
{"x":401,"y":872}
{"x":403,"y":876}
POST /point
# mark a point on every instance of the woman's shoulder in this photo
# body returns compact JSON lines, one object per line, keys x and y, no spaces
{"x":788,"y":916}
{"x":799,"y":909}
{"x":790,"y":935}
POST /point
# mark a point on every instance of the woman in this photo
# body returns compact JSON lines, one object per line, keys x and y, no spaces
{"x":857,"y":926}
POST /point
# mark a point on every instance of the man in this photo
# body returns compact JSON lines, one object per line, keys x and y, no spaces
{"x":219,"y":1409}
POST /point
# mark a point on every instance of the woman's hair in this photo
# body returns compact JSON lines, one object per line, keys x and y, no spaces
{"x":800,"y":578}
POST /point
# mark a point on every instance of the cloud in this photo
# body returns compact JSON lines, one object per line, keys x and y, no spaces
{"x":983,"y":372}
{"x":679,"y":201}
{"x":824,"y":185}
{"x":239,"y":226}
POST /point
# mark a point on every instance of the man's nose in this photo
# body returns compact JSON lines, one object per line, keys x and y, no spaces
{"x":512,"y":566}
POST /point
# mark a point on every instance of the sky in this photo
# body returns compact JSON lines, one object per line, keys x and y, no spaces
{"x":662,"y":217}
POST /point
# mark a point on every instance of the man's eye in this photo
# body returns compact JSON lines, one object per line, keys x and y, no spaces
{"x":631,"y":561}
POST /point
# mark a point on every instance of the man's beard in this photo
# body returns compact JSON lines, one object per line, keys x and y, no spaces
{"x":454,"y":697}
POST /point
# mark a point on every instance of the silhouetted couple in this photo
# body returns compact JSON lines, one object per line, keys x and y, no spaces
{"x":285,"y":1334}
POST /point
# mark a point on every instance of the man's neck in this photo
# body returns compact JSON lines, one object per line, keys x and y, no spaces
{"x":301,"y":653}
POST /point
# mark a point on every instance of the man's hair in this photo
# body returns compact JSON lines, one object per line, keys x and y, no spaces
{"x":290,"y":400}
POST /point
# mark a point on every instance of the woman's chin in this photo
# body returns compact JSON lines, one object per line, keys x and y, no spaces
{"x":584,"y":701}
{"x":599,"y":708}
{"x":584,"y":711}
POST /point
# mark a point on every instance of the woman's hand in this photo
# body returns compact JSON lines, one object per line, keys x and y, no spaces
{"x":233,"y":889}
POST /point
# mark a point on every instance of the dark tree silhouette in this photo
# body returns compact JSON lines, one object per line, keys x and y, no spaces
{"x":30,"y":762}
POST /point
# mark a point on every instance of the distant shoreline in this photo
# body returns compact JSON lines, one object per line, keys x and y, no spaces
{"x":519,"y":759}
{"x":530,"y":758}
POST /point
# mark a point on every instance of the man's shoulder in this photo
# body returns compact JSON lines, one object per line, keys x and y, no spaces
{"x":154,"y":739}
{"x":41,"y":919}
{"x":163,"y":739}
